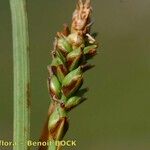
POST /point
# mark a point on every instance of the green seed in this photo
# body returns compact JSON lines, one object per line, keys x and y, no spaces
{"x":58,"y":122}
{"x":74,"y":59}
{"x":64,"y":45}
{"x":73,"y":102}
{"x":54,"y":86}
{"x":72,"y":82}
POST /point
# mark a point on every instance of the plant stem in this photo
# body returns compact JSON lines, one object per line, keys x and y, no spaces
{"x":21,"y":72}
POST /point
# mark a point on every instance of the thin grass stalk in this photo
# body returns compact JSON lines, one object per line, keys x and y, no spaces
{"x":21,"y":129}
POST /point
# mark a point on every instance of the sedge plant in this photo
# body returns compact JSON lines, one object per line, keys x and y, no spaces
{"x":72,"y":50}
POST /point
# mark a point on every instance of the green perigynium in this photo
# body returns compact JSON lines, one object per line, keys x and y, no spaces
{"x":72,"y":50}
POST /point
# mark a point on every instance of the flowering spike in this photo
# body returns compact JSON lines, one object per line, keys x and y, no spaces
{"x":72,"y":49}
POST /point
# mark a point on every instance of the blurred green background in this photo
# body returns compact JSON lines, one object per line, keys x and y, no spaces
{"x":117,"y":113}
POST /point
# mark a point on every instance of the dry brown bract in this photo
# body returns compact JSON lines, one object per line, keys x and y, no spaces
{"x":81,"y":17}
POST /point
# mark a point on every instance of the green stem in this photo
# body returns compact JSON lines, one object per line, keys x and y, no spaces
{"x":21,"y":74}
